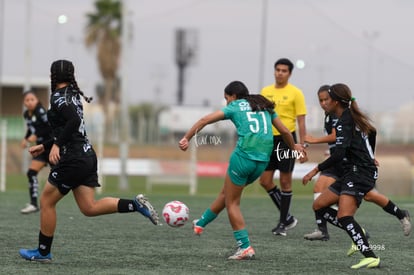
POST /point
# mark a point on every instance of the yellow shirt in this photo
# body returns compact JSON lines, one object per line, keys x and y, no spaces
{"x":290,"y":103}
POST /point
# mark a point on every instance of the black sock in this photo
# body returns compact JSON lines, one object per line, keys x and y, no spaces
{"x":125,"y":206}
{"x":393,"y":210}
{"x":275,"y":196}
{"x":354,"y":230}
{"x":285,"y":205}
{"x":328,"y":214}
{"x":45,"y":244}
{"x":33,"y":186}
{"x":321,"y":223}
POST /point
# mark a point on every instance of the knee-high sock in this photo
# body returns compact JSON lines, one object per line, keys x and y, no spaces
{"x":242,"y":238}
{"x":276,"y":196}
{"x":45,"y":244}
{"x":33,"y":186}
{"x":394,"y":210}
{"x":357,"y":235}
{"x":320,"y":222}
{"x":285,"y":205}
{"x":327,"y":214}
{"x":126,"y":206}
{"x":207,"y":217}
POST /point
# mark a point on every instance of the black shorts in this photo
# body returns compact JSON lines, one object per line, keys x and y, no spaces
{"x":73,"y":171}
{"x":335,"y":172}
{"x":282,"y":157}
{"x":43,"y":157}
{"x":355,"y":183}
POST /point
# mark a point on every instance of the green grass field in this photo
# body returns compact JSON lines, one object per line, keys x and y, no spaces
{"x":130,"y":244}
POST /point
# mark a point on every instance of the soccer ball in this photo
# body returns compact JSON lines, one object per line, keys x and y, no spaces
{"x":175,"y":213}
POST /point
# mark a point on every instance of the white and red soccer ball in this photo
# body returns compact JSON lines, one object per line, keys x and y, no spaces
{"x":175,"y":213}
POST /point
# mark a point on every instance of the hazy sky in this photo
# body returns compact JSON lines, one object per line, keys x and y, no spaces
{"x":365,"y":44}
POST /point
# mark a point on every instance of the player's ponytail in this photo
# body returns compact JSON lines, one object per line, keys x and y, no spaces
{"x":341,"y":93}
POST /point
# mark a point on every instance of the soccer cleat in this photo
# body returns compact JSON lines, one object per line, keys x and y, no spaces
{"x":243,"y":254}
{"x":291,"y":223}
{"x":369,"y":262}
{"x":34,"y":255}
{"x":354,"y":248}
{"x":406,"y":223}
{"x":145,"y":208}
{"x":316,"y":235}
{"x":198,"y":230}
{"x":280,"y":229}
{"x":30,"y":208}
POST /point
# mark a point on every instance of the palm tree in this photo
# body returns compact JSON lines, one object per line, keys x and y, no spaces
{"x":104,"y":31}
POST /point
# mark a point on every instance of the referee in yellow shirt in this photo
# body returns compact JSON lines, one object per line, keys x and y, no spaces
{"x":291,"y":108}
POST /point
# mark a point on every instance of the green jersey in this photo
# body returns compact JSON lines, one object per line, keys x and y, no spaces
{"x":254,"y":130}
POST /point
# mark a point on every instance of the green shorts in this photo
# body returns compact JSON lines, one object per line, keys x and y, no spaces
{"x":244,"y":171}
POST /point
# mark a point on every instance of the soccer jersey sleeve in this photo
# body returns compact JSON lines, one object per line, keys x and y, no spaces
{"x":229,"y":110}
{"x":226,"y":112}
{"x":343,"y":128}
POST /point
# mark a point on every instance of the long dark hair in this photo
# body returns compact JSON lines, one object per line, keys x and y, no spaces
{"x":63,"y":71}
{"x":341,"y":93}
{"x":257,"y":102}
